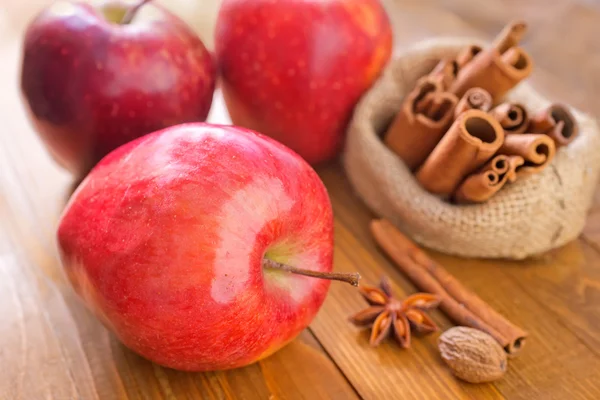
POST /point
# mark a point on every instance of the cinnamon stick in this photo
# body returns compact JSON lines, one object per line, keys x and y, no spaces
{"x":498,"y":68}
{"x":474,"y":98}
{"x":421,"y":122}
{"x":510,"y":35}
{"x":514,"y":162}
{"x":557,"y":122}
{"x":471,"y":141}
{"x":459,"y":303}
{"x":498,"y":164}
{"x":536,"y":149}
{"x":466,"y":55}
{"x":478,"y":187}
{"x":512,"y":116}
{"x":445,"y":73}
{"x":483,"y":184}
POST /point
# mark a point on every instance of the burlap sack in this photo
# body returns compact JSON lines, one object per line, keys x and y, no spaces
{"x":528,"y":217}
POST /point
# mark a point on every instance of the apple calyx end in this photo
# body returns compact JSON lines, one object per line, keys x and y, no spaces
{"x":349,"y":277}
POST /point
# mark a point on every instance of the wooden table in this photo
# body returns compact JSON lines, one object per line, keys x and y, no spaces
{"x":52,"y":348}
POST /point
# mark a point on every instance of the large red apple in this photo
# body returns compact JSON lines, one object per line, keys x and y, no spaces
{"x":93,"y":82}
{"x":176,"y":242}
{"x":294,"y":69}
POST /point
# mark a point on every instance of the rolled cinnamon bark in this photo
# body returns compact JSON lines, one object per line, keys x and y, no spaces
{"x":421,"y":122}
{"x":510,"y":36}
{"x":483,"y":184}
{"x":498,"y":164}
{"x":512,"y":116}
{"x":445,"y":73}
{"x":474,"y":98}
{"x":470,"y":142}
{"x":497,"y":69}
{"x":514,"y":162}
{"x":459,"y":303}
{"x":536,"y":149}
{"x":557,"y":122}
{"x":478,"y":187}
{"x":466,"y":55}
{"x":430,"y":106}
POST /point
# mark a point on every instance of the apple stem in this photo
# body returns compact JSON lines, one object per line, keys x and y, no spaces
{"x":128,"y":17}
{"x":351,"y":278}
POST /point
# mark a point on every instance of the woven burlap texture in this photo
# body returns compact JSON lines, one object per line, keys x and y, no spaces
{"x":525,"y":218}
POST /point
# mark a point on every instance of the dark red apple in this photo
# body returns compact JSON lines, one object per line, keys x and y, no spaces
{"x":93,"y":82}
{"x":180,"y":242}
{"x":294,"y":69}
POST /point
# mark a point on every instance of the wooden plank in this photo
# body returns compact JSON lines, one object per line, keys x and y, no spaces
{"x":75,"y":357}
{"x":388,"y":371}
{"x":533,"y":373}
{"x":567,"y":283}
{"x":68,"y":354}
{"x":55,"y":347}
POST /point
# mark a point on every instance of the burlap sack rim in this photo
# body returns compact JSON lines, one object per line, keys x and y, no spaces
{"x":431,"y":209}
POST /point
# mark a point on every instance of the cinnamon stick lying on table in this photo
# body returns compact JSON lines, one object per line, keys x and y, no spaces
{"x":470,"y":142}
{"x":512,"y":116}
{"x":421,"y":122}
{"x":497,"y":69}
{"x":459,"y":303}
{"x":557,"y":122}
{"x":536,"y":149}
{"x":474,"y":98}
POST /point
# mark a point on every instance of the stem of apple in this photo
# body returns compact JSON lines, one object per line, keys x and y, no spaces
{"x":351,"y":278}
{"x":128,"y":17}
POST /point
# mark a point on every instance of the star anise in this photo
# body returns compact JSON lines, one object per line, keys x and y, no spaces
{"x":387,"y":315}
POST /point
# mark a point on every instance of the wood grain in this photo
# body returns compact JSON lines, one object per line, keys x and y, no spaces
{"x":51,"y":347}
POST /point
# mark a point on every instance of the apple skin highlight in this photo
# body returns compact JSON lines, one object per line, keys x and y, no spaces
{"x":91,"y":85}
{"x":165,"y":237}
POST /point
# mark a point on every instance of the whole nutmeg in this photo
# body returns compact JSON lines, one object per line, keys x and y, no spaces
{"x":472,"y":355}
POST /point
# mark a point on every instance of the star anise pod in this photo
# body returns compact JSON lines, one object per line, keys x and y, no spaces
{"x":387,"y":315}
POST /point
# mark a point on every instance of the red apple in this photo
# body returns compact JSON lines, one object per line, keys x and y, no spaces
{"x":294,"y":69}
{"x":174,"y":241}
{"x":93,"y":82}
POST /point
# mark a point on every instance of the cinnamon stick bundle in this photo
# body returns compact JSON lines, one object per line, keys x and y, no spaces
{"x":474,"y":98}
{"x":557,"y":122}
{"x":472,"y":140}
{"x":421,"y":122}
{"x":459,"y":303}
{"x":499,"y":68}
{"x":536,"y":149}
{"x":512,"y":116}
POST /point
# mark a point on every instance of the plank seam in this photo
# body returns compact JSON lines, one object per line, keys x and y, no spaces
{"x":324,"y":349}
